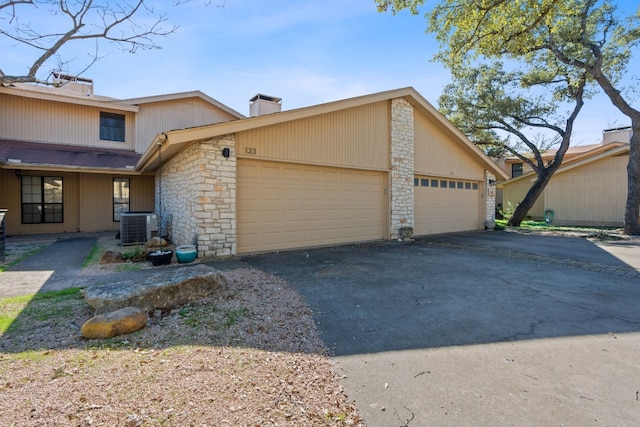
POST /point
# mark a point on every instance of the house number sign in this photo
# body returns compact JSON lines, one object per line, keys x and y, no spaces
{"x":250,"y":150}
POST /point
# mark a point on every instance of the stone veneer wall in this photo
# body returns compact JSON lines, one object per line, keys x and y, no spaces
{"x":197,"y":193}
{"x":402,"y":165}
{"x":490,"y":215}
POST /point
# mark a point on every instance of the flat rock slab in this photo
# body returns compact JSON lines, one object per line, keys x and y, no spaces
{"x":166,"y":288}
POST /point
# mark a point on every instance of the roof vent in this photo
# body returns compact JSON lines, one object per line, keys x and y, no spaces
{"x":75,"y":84}
{"x":264,"y":104}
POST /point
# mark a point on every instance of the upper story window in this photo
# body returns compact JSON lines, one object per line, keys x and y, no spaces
{"x":111,"y":127}
{"x":516,"y":169}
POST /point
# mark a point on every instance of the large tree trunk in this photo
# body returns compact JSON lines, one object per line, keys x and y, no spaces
{"x":529,"y":200}
{"x":632,"y":208}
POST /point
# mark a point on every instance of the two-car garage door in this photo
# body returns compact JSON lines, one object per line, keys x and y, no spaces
{"x":283,"y":206}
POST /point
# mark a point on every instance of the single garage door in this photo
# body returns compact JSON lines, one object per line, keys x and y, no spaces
{"x":445,"y":206}
{"x":285,"y":206}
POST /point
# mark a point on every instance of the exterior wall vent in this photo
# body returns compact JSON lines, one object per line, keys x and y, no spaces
{"x":137,"y":227}
{"x":264,"y":104}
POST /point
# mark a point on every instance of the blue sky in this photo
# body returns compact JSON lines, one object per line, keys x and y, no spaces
{"x":306,"y":52}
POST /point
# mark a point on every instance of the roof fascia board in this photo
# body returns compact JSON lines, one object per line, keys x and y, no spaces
{"x":63,"y":168}
{"x":113,"y":105}
{"x":225,"y":128}
{"x":589,"y":157}
{"x":575,"y":163}
{"x":181,"y":136}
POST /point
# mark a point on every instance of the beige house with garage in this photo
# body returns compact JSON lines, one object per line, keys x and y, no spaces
{"x":589,"y":188}
{"x":68,"y":156}
{"x":367,"y":168}
{"x":381,"y":166}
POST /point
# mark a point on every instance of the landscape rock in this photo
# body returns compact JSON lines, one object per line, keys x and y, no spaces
{"x":169,"y":287}
{"x":111,"y":257}
{"x":155,"y":244}
{"x":119,"y":322}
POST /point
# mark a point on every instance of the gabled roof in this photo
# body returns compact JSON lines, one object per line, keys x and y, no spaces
{"x":60,"y":157}
{"x":183,"y":95}
{"x":600,"y":152}
{"x":550,"y":153}
{"x":174,"y":141}
{"x":131,"y":104}
{"x":68,"y":97}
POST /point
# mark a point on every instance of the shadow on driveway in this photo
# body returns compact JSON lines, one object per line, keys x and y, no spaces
{"x":459,"y":289}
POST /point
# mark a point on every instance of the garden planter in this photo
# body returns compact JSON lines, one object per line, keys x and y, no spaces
{"x":186,"y":253}
{"x":160,"y":257}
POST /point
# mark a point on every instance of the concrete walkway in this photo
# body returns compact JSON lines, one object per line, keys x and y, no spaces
{"x":53,"y":268}
{"x":58,"y":266}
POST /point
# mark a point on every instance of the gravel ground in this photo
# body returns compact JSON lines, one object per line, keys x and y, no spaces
{"x":251,"y":356}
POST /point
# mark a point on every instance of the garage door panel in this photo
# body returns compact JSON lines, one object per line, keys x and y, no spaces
{"x":296,"y":206}
{"x":444,"y":209}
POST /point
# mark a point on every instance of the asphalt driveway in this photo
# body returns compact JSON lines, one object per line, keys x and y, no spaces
{"x":490,"y":328}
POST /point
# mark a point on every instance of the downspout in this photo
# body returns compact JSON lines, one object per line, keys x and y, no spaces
{"x":160,"y":142}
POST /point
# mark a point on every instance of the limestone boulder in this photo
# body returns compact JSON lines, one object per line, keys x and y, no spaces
{"x":155,"y":244}
{"x":111,"y":257}
{"x":123,"y":321}
{"x":149,"y":290}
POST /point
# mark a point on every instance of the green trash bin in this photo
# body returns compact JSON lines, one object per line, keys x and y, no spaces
{"x":548,"y":216}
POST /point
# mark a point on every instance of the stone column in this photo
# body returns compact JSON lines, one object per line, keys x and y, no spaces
{"x":402,"y":165}
{"x":490,"y":201}
{"x":216,"y":197}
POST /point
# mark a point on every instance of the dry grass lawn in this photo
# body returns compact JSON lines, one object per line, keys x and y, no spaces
{"x":249,"y":357}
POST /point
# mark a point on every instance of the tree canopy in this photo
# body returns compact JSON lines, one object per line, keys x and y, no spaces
{"x":590,"y":36}
{"x":505,"y":111}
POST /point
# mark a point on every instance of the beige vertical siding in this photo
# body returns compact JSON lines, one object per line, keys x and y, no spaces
{"x":57,"y":122}
{"x":356,"y":137}
{"x":436,"y":155}
{"x":96,"y":195}
{"x":96,"y":208}
{"x":142,"y":193}
{"x":594,"y":194}
{"x":155,"y":118}
{"x":88,"y":201}
{"x":515,"y":192}
{"x":10,"y":199}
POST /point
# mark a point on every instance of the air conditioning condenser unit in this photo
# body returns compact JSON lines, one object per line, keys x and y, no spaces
{"x":137,"y":227}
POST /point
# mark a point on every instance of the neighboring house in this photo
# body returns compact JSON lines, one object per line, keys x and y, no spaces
{"x":361,"y":169}
{"x":68,"y":157}
{"x":515,"y":167}
{"x":589,"y":188}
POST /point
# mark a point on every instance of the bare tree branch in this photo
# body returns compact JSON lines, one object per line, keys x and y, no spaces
{"x":114,"y":22}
